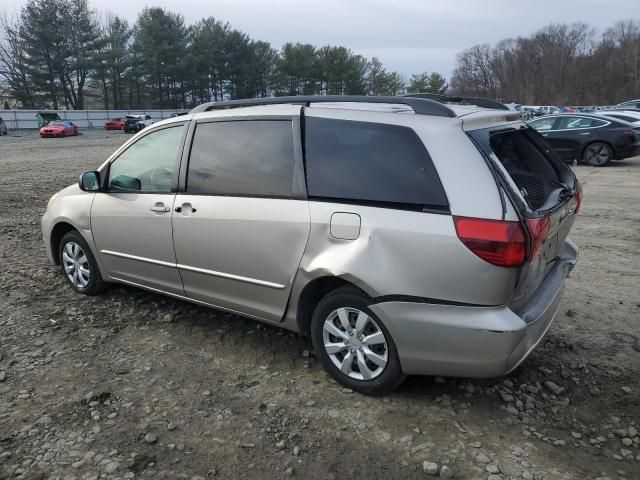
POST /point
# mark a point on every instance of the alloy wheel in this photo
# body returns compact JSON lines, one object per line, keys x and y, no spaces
{"x":355,"y":343}
{"x":598,"y":154}
{"x":76,"y":265}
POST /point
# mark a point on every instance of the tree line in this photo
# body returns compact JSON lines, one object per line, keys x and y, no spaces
{"x":63,"y":54}
{"x":562,"y":64}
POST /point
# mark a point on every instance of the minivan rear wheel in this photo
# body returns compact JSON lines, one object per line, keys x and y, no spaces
{"x":79,"y":265}
{"x":353,"y":345}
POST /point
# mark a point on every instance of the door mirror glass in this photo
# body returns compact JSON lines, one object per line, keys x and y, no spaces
{"x":125,"y":182}
{"x":89,"y":181}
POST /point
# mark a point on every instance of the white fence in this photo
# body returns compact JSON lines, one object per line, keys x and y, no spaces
{"x":16,"y":119}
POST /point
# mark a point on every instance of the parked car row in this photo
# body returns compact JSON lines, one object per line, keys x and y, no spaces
{"x":596,"y":138}
{"x":130,"y":124}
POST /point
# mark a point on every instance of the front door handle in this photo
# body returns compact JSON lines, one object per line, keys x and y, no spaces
{"x":160,"y":208}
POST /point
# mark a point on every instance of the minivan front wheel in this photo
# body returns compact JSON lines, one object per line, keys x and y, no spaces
{"x":353,"y":345}
{"x":79,"y":265}
{"x":598,"y":154}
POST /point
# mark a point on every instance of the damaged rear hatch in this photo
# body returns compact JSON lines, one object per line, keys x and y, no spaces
{"x":546,"y":196}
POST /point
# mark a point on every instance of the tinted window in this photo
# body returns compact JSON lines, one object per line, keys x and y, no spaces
{"x":543,"y":123}
{"x":253,"y":157}
{"x":369,"y":162}
{"x":148,"y":164}
{"x":566,"y":123}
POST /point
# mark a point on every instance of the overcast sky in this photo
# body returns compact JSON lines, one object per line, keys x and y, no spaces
{"x":407,"y":35}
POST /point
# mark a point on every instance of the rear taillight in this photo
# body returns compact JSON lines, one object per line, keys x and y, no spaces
{"x":538,"y":231}
{"x":499,"y":242}
{"x":578,"y":199}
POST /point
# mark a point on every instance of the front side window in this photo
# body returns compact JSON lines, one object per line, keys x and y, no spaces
{"x":147,"y":165}
{"x":370,"y":162}
{"x":242,"y":158}
{"x":543,"y":123}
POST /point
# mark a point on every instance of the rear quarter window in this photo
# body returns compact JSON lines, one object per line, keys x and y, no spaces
{"x":370,"y":163}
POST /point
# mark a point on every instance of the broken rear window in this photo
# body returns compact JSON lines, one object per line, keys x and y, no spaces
{"x":528,"y":160}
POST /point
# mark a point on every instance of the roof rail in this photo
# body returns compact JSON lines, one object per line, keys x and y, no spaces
{"x":477,"y":101}
{"x":421,"y":106}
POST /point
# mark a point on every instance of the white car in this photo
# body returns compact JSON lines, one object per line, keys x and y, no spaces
{"x":135,"y":123}
{"x":630,"y":116}
{"x":629,"y":105}
{"x":546,"y":109}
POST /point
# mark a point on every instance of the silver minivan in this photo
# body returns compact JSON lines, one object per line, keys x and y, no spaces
{"x":403,"y":235}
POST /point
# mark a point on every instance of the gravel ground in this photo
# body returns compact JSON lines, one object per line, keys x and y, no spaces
{"x":130,"y":384}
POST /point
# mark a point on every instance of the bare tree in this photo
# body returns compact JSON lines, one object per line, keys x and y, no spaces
{"x":13,"y":65}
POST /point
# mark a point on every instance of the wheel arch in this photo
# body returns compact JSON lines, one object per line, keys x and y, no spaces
{"x":312,"y":293}
{"x":58,"y":231}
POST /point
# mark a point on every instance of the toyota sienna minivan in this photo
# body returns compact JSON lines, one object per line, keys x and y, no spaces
{"x":403,"y":235}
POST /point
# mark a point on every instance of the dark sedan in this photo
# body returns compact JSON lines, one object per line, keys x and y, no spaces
{"x":589,"y":138}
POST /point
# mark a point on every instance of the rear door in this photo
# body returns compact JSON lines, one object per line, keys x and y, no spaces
{"x":571,"y":134}
{"x":242,"y":222}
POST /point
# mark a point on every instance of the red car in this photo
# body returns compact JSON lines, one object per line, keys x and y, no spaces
{"x":114,"y":124}
{"x":59,"y":128}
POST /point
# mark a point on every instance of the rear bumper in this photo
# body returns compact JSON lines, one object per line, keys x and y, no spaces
{"x":463,"y":341}
{"x":628,"y":150}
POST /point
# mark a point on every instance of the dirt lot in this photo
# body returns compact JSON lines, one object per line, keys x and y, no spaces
{"x":134,"y":385}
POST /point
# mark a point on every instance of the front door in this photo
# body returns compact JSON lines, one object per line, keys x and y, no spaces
{"x":241,"y":226}
{"x":131,"y":221}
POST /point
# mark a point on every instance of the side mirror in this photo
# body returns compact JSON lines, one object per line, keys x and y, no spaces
{"x":125,"y":182}
{"x":89,"y":181}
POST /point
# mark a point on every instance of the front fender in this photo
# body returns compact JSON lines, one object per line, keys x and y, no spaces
{"x":70,"y":206}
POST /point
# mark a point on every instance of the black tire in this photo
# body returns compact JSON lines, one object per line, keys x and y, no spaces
{"x":597,"y":154}
{"x":349,"y":297}
{"x":95,"y":283}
